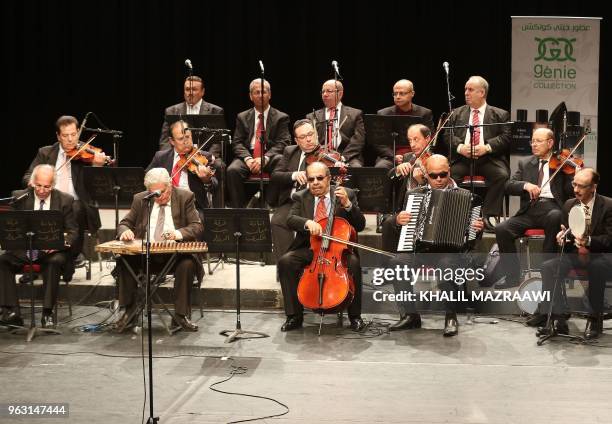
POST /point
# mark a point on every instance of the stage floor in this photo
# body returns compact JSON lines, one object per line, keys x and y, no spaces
{"x":490,"y":373}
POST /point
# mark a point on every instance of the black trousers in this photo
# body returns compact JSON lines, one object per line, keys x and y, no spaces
{"x":544,"y":214}
{"x":290,"y":269}
{"x":51,"y":270}
{"x":237,"y":172}
{"x":496,"y":176}
{"x":184,"y":274}
{"x":282,"y":235}
{"x":599,"y":268}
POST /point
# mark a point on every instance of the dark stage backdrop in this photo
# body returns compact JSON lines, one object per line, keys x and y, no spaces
{"x":124,"y":61}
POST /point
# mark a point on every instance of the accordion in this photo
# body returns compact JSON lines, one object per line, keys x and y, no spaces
{"x":439,"y":219}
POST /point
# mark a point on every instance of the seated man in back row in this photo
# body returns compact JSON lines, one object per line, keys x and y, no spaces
{"x":173,"y":217}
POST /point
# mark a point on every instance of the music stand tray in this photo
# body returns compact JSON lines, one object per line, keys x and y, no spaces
{"x":238,"y":230}
{"x":32,"y":230}
{"x":372,"y":186}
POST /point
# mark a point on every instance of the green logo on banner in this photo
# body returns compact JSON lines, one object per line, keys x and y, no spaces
{"x":555,"y":49}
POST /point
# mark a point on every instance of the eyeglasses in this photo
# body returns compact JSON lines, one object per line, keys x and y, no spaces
{"x":581,"y":186}
{"x":318,"y":178}
{"x":329,"y":91}
{"x":42,"y":187}
{"x":305,"y":136}
{"x":400,"y":93}
{"x":435,"y":176}
{"x":535,"y":141}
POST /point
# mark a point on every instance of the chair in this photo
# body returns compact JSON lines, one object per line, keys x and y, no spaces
{"x":253,"y":180}
{"x":529,"y":235}
{"x":480,"y":184}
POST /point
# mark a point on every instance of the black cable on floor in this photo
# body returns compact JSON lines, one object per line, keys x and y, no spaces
{"x":236,"y":370}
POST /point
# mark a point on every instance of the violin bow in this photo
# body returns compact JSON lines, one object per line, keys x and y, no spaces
{"x":190,"y":157}
{"x":566,"y":159}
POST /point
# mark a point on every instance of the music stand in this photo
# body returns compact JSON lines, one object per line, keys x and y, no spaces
{"x":238,"y":230}
{"x":372,"y":186}
{"x":380,"y":130}
{"x":29,"y":231}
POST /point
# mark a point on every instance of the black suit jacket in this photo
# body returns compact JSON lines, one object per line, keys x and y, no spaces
{"x":280,"y":181}
{"x":165,"y":159}
{"x":47,"y":155}
{"x":352,"y":131}
{"x":59,"y":202}
{"x":417,"y":110}
{"x":277,"y":133}
{"x":601,"y":224}
{"x":303,"y":209}
{"x":181,"y":109}
{"x":527,"y":172}
{"x":401,"y":184}
{"x":497,"y":136}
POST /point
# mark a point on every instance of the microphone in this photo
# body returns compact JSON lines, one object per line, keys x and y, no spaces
{"x":152,"y":194}
{"x":23,"y":196}
{"x":206,"y":129}
{"x":101,"y":131}
{"x":188,"y":64}
{"x":84,"y":122}
{"x":446,"y":67}
{"x":335,"y":66}
{"x":261,"y":66}
{"x":12,"y":200}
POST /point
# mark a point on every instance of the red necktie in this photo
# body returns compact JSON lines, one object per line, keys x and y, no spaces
{"x":177,"y":175}
{"x":330,"y":128}
{"x":258,"y":137}
{"x":475,"y":122}
{"x":321,"y":211}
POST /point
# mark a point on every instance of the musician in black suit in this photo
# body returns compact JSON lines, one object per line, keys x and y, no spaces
{"x":194,"y":104}
{"x":173,"y":217}
{"x":69,"y":177}
{"x":310,"y":205}
{"x":347,"y":132}
{"x":438,"y":177}
{"x":403,"y":93}
{"x":591,"y":250}
{"x":288,"y":177}
{"x":247,"y":138}
{"x":540,"y":204}
{"x":39,"y":196}
{"x":491,"y":144}
{"x":203,"y":183}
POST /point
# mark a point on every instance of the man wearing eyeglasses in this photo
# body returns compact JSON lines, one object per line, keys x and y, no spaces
{"x":541,"y":203}
{"x":403,"y":93}
{"x":309,"y":207}
{"x":40,"y":195}
{"x":438,"y":178}
{"x":340,"y":127}
{"x":591,"y":250}
{"x":288,"y":177}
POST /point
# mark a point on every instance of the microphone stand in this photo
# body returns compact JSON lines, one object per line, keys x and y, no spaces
{"x":450,"y":110}
{"x":262,"y":143}
{"x":152,"y":419}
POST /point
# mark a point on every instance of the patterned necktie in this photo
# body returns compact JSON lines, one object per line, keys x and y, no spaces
{"x":541,"y":172}
{"x":35,"y":253}
{"x":176,"y":179}
{"x":159,"y":227}
{"x":258,"y":137}
{"x":330,"y":128}
{"x":321,"y":211}
{"x":475,"y":122}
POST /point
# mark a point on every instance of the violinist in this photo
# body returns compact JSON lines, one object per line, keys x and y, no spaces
{"x":288,"y":177}
{"x":540,"y":207}
{"x":197,"y":176}
{"x":408,"y":175}
{"x":248,"y":138}
{"x":70,"y":177}
{"x":309,"y":206}
{"x":339,"y":127}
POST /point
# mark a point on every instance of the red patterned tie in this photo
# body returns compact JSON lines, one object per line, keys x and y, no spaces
{"x":177,"y":175}
{"x":258,"y":137}
{"x":330,"y":128}
{"x":475,"y":122}
{"x":321,"y":211}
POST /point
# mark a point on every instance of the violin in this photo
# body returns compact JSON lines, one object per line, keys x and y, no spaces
{"x":328,"y":157}
{"x":86,"y":153}
{"x":568,"y":162}
{"x":193,"y":160}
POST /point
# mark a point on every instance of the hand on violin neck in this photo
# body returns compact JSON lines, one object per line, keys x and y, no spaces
{"x":533,"y":190}
{"x":314,"y":228}
{"x":99,"y":159}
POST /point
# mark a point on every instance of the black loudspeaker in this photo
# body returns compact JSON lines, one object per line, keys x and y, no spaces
{"x":521,"y":115}
{"x":541,"y":115}
{"x":573,"y":119}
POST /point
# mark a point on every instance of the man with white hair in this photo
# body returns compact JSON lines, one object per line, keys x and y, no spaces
{"x":40,"y":195}
{"x":248,"y":136}
{"x":173,"y":217}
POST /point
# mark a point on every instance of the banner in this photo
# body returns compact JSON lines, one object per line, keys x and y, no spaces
{"x":554,"y":60}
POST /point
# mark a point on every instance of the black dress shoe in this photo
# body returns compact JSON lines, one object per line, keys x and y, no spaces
{"x":11,"y":318}
{"x":406,"y":322}
{"x":47,"y":321}
{"x":593,"y":327}
{"x":292,"y":323}
{"x":357,"y":324}
{"x":185,"y":323}
{"x":451,"y":326}
{"x":537,"y":320}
